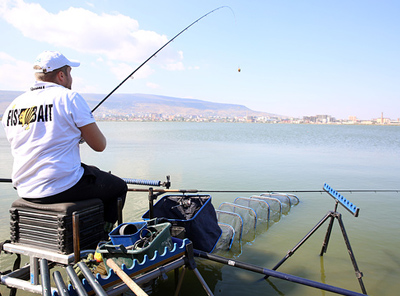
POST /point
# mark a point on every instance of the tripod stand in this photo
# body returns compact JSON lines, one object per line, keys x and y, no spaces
{"x":332,"y":215}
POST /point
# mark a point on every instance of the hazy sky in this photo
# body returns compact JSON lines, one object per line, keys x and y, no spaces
{"x":297,"y":58}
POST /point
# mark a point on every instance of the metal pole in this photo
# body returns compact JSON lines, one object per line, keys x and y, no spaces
{"x":34,"y":267}
{"x":291,"y":252}
{"x":276,"y":274}
{"x":180,"y":280}
{"x":327,"y":236}
{"x":353,"y":259}
{"x":151,"y":208}
{"x":76,"y":238}
{"x":76,"y":281}
{"x":45,"y":276}
{"x":145,"y":278}
{"x":62,"y":289}
{"x":119,"y":211}
{"x":97,"y":288}
{"x":202,"y":282}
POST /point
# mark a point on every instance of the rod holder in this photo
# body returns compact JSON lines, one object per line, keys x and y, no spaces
{"x":342,"y":200}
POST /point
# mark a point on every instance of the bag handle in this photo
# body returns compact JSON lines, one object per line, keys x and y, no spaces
{"x":116,"y":249}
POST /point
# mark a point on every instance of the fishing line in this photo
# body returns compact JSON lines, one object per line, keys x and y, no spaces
{"x":155,"y":53}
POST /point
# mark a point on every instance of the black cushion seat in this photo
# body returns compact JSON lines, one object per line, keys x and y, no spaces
{"x":50,"y":226}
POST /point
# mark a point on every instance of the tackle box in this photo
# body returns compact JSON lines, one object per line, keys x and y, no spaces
{"x":49,"y":226}
{"x":161,"y":239}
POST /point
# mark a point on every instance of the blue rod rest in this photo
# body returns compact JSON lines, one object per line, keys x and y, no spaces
{"x":342,"y":200}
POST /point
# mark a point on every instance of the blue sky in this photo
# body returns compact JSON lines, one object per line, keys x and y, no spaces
{"x":297,"y":58}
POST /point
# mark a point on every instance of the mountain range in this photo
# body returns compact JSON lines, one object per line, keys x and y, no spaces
{"x":139,"y":104}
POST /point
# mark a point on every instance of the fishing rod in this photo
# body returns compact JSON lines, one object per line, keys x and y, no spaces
{"x":155,"y":53}
{"x":159,"y":183}
{"x":265,"y":191}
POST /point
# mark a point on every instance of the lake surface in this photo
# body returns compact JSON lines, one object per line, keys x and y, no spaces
{"x":265,"y":157}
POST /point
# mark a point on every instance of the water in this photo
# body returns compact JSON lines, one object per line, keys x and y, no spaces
{"x":218,"y":156}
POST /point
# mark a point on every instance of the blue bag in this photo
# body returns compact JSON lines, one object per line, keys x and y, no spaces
{"x":192,"y":217}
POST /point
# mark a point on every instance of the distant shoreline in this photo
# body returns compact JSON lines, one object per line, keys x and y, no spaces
{"x":254,"y":122}
{"x":148,"y":107}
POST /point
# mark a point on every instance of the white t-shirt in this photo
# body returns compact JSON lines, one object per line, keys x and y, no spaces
{"x":42,"y":128}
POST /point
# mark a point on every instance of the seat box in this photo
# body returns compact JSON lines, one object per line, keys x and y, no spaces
{"x":49,"y":226}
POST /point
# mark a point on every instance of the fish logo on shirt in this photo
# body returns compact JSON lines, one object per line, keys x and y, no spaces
{"x":27,"y":116}
{"x":24,"y":117}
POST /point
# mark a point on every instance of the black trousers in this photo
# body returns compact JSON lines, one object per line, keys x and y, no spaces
{"x":93,"y":184}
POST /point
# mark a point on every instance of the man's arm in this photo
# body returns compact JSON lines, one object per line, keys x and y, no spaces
{"x":94,"y":137}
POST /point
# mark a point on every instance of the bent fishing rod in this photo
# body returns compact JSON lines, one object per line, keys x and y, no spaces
{"x":155,"y":53}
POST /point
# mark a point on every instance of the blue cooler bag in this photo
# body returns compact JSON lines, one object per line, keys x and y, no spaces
{"x":192,"y":217}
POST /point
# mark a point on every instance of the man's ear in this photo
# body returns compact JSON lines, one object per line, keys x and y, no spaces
{"x":60,"y":77}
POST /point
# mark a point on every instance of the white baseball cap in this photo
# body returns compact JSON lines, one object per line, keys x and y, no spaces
{"x":51,"y":60}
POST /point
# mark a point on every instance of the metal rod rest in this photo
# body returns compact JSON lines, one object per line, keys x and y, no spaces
{"x":342,"y":200}
{"x":332,"y":215}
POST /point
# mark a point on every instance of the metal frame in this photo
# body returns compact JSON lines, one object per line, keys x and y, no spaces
{"x":17,"y":279}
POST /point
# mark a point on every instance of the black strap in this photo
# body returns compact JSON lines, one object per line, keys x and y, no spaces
{"x":17,"y":262}
{"x":1,"y":245}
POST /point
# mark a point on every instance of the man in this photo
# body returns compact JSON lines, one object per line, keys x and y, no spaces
{"x":44,"y":127}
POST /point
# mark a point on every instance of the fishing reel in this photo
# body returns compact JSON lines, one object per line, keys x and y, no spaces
{"x":166,"y":184}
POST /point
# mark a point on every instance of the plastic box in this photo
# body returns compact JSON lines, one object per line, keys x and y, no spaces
{"x":122,"y":255}
{"x":126,"y":234}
